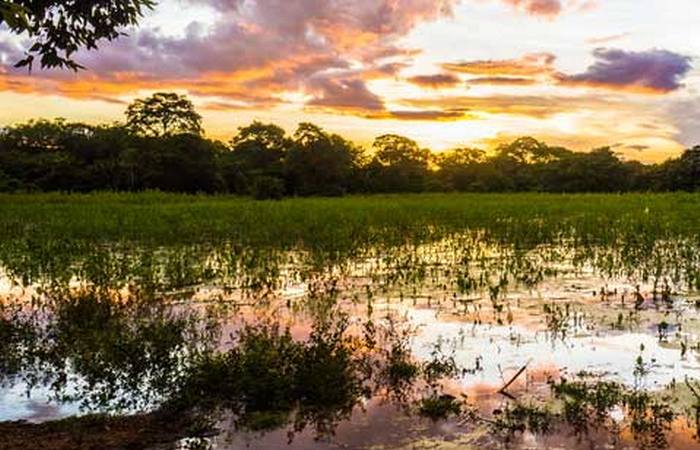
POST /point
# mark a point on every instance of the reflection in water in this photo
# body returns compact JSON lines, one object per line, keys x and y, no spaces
{"x":318,"y":348}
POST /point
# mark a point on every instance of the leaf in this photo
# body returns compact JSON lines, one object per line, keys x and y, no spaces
{"x":15,"y":16}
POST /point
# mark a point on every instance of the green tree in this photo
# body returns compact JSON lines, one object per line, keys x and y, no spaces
{"x":599,"y":170}
{"x":163,"y":114}
{"x":176,"y":163}
{"x":257,"y":151}
{"x":399,"y":165}
{"x":459,"y":169}
{"x":682,"y":173}
{"x":319,"y":163}
{"x":57,"y":28}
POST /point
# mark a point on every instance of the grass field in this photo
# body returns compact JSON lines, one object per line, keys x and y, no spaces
{"x":170,"y":218}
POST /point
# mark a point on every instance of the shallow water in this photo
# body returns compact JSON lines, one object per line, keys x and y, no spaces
{"x":493,"y":312}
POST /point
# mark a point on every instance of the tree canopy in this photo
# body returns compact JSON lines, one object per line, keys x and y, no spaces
{"x":163,"y":114}
{"x":57,"y":29}
{"x":161,"y":146}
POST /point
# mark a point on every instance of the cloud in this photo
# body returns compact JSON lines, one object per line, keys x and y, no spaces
{"x":607,"y":39}
{"x":652,"y":71}
{"x":685,"y":116}
{"x":253,"y":49}
{"x":436,"y":81}
{"x":429,"y":115}
{"x":538,"y":107}
{"x":503,"y":81}
{"x":529,"y":65}
{"x":344,"y":95}
{"x":547,"y":8}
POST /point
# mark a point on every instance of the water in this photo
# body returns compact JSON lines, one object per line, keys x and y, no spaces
{"x":492,"y":311}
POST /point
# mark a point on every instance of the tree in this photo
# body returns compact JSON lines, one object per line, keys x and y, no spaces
{"x":38,"y":154}
{"x":599,"y":170}
{"x":399,"y":165}
{"x":163,"y":114}
{"x":176,"y":163}
{"x":58,"y":28}
{"x":682,"y":173}
{"x":319,"y":163}
{"x":258,"y":150}
{"x":460,"y":168}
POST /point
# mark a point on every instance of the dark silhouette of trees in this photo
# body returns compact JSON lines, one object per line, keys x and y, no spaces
{"x":460,"y":169}
{"x":399,"y":165}
{"x":57,"y":29}
{"x":682,"y":173}
{"x":161,"y":147}
{"x":319,"y":163}
{"x":255,"y":164}
{"x":163,"y":114}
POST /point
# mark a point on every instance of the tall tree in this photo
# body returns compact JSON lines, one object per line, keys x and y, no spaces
{"x":59,"y":28}
{"x":319,"y":163}
{"x":399,"y":165}
{"x":163,"y":114}
{"x":460,"y":168}
{"x":256,"y":157}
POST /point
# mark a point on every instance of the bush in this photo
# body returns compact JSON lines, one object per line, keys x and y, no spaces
{"x":267,"y":188}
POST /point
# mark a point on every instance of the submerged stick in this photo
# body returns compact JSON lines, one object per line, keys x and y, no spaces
{"x":504,"y":389}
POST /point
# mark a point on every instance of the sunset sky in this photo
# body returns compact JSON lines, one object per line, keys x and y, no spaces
{"x":447,"y":73}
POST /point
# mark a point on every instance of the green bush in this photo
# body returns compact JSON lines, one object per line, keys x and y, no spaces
{"x":267,"y":188}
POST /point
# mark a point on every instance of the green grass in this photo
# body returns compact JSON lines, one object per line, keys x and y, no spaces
{"x":332,"y":222}
{"x":167,"y":239}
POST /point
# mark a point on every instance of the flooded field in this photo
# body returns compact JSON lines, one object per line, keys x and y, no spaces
{"x":416,"y":322}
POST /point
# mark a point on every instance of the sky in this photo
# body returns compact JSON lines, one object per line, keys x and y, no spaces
{"x":447,"y":73}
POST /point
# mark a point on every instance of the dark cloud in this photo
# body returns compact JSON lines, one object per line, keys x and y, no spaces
{"x":436,"y":81}
{"x":652,"y":71}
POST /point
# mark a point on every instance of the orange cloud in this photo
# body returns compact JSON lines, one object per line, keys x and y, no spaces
{"x":539,"y":107}
{"x":529,"y":65}
{"x":547,"y":8}
{"x":252,"y":55}
{"x":503,"y":81}
{"x":607,"y":39}
{"x":429,"y":115}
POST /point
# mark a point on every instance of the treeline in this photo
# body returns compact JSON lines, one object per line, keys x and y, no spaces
{"x":170,"y":154}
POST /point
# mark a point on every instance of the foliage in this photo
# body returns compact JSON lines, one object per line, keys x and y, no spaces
{"x":58,"y":29}
{"x":439,"y":407}
{"x":267,"y":188}
{"x":161,"y":147}
{"x":163,"y":114}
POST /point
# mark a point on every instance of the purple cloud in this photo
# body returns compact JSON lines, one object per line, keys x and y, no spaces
{"x":344,"y":94}
{"x":652,"y":71}
{"x":258,"y":48}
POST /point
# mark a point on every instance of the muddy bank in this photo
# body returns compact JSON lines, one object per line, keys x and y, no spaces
{"x":144,"y":431}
